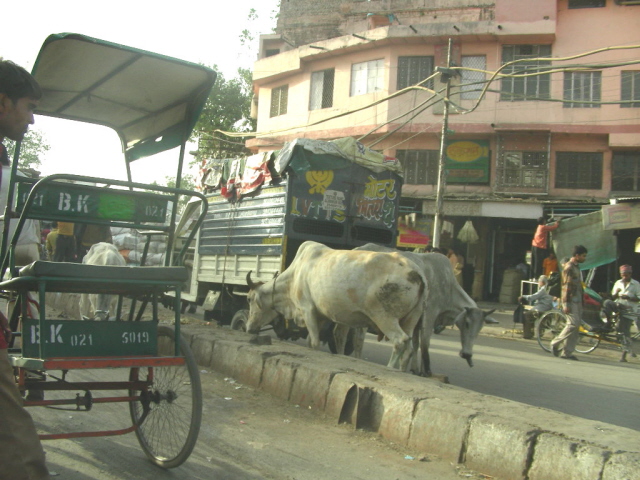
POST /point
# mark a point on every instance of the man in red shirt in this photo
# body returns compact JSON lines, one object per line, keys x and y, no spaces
{"x":21,"y":454}
{"x":539,"y":245}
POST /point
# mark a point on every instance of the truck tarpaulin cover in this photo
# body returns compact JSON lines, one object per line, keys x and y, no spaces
{"x":585,"y":230}
{"x":322,"y":155}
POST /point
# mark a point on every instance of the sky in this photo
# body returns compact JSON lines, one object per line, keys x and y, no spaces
{"x":201,"y":31}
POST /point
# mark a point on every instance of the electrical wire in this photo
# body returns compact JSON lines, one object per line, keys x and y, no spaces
{"x":494,"y":75}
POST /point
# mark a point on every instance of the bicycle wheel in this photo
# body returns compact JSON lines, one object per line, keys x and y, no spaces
{"x":587,"y":341}
{"x":169,"y":411}
{"x":548,"y":326}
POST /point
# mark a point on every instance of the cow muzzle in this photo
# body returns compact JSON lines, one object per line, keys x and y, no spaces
{"x":467,"y":357}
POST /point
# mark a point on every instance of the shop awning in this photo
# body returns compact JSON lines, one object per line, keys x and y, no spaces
{"x":409,"y":238}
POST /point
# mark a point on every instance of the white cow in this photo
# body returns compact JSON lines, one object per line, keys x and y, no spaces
{"x":353,"y":288}
{"x":446,"y":304}
{"x":96,"y":306}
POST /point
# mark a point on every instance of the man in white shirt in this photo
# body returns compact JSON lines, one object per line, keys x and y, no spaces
{"x":626,"y":302}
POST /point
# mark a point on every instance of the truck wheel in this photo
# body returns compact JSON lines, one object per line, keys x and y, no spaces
{"x":239,"y":320}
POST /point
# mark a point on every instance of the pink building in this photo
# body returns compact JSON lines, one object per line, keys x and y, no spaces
{"x":544,"y":116}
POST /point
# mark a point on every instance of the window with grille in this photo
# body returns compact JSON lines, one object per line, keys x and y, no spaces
{"x":625,"y":175}
{"x":586,"y":3}
{"x":583,"y":88}
{"x":530,"y":62}
{"x":279,"y":98}
{"x":630,"y":89}
{"x":525,"y":169}
{"x":420,"y":166}
{"x":579,"y":170}
{"x":321,"y":95}
{"x":471,"y":81}
{"x":367,"y":77}
{"x":414,"y":70}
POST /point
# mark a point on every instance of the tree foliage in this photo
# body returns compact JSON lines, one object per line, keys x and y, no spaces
{"x":32,"y":150}
{"x":228,"y":108}
{"x":187,"y":182}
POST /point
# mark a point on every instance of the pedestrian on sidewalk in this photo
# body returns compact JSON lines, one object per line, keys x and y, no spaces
{"x":572,"y":305}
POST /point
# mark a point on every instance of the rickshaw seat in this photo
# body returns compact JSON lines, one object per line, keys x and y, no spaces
{"x":43,"y":268}
{"x":78,"y":277}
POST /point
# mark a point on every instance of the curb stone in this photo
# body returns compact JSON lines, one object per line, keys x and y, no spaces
{"x":499,"y":437}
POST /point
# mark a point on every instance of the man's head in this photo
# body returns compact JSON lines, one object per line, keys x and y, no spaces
{"x":625,"y":272}
{"x":541,"y":221}
{"x":579,"y":253}
{"x":19,"y":96}
{"x":543,"y":280}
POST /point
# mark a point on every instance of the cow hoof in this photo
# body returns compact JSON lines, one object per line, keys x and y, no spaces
{"x":260,"y":340}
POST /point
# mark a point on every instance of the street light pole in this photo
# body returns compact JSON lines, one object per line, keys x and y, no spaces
{"x":445,"y":76}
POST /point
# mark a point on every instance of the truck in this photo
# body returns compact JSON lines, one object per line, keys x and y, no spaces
{"x":262,"y":208}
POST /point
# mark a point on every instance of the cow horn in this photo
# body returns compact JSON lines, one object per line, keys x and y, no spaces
{"x":250,"y":282}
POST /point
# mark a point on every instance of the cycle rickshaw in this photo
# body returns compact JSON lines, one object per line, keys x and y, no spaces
{"x":152,"y":102}
{"x":592,"y":331}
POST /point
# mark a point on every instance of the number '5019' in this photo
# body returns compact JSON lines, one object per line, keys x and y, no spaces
{"x":135,"y":337}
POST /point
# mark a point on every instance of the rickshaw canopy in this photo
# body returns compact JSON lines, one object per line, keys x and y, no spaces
{"x":152,"y":101}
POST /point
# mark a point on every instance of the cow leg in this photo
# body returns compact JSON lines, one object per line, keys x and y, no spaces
{"x":426,"y":330}
{"x":415,"y":365}
{"x":358,"y":341}
{"x":401,"y":356}
{"x":85,"y":307}
{"x":101,"y":307}
{"x":313,"y":327}
{"x":401,"y":343}
{"x":340,"y":335}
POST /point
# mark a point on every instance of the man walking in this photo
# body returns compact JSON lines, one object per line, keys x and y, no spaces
{"x":21,"y":454}
{"x":572,"y":299}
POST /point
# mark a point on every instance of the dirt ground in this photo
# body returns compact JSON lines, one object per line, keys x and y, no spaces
{"x":245,"y":434}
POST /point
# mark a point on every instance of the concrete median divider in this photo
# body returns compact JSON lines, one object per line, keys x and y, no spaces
{"x":497,"y":437}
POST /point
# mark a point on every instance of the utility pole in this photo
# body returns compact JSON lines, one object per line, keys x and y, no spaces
{"x":445,"y":76}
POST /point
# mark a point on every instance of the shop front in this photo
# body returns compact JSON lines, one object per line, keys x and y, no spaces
{"x":504,"y":233}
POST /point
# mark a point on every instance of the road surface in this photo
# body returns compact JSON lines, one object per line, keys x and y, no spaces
{"x":597,"y":387}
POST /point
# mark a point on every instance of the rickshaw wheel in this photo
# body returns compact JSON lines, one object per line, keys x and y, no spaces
{"x":169,"y":412}
{"x":547,"y":327}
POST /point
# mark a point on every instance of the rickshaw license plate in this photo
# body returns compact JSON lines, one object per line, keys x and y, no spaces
{"x":78,"y":338}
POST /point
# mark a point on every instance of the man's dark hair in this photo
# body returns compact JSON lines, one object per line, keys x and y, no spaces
{"x":541,"y":221}
{"x":17,"y":83}
{"x":579,"y":250}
